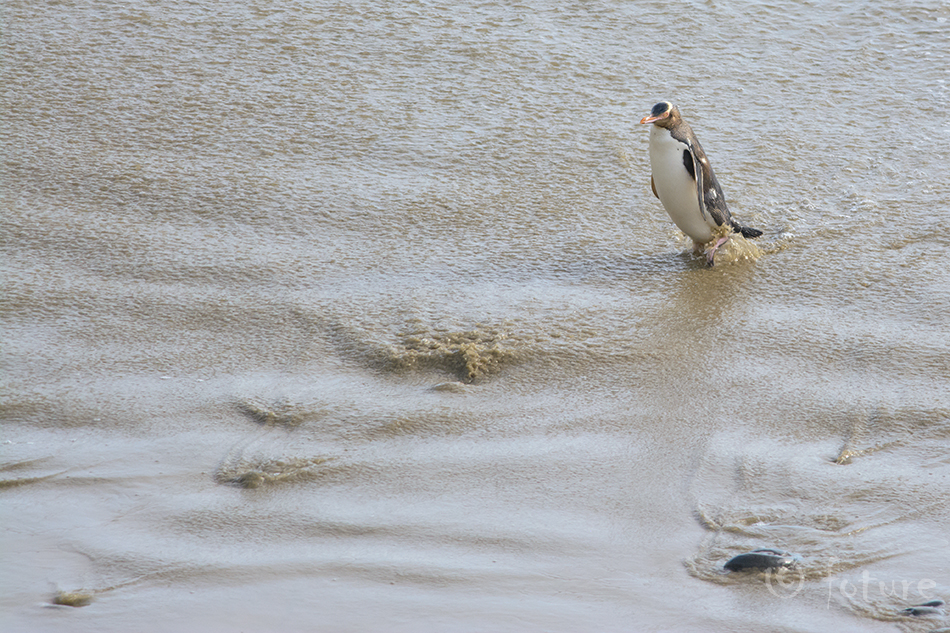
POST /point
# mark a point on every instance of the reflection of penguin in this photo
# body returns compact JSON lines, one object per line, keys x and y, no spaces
{"x":684,"y":181}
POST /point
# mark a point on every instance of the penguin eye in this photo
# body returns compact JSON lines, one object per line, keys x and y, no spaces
{"x":660,"y":108}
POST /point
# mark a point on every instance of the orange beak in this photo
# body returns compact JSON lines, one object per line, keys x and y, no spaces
{"x":651,"y":119}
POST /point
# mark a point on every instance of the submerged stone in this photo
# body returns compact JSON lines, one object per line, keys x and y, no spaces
{"x":760,"y":560}
{"x":933,"y":607}
{"x":73,"y":598}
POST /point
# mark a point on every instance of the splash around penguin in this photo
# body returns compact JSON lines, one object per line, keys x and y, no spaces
{"x":684,"y":181}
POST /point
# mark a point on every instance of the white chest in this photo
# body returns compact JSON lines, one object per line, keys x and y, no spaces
{"x":675,"y":187}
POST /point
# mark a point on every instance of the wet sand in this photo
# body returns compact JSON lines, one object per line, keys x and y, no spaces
{"x":341,"y":318}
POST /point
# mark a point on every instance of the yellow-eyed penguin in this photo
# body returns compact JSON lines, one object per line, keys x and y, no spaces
{"x":684,"y":182}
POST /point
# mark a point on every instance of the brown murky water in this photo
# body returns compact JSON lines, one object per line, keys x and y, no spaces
{"x":339,"y":317}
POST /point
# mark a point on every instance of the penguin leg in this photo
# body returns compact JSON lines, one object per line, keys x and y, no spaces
{"x":712,"y":253}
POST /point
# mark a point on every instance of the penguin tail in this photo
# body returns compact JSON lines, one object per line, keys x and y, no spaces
{"x":745,"y":231}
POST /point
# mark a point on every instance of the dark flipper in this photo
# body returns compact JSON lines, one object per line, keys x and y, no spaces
{"x":712,"y":202}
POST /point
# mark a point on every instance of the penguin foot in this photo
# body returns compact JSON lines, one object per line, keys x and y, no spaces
{"x":712,"y":253}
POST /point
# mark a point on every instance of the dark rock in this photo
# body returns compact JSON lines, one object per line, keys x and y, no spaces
{"x":761,"y":559}
{"x":927,"y":608}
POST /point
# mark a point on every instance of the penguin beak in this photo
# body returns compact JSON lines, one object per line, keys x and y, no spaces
{"x":651,"y":119}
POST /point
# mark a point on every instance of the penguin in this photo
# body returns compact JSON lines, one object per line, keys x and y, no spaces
{"x":684,"y":181}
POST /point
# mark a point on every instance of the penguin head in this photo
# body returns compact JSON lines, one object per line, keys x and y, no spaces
{"x":661,"y":114}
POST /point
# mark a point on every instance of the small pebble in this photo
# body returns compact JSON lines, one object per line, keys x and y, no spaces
{"x":452,"y":387}
{"x":73,"y":598}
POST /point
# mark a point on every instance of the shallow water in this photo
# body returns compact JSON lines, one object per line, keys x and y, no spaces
{"x":325,"y":316}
